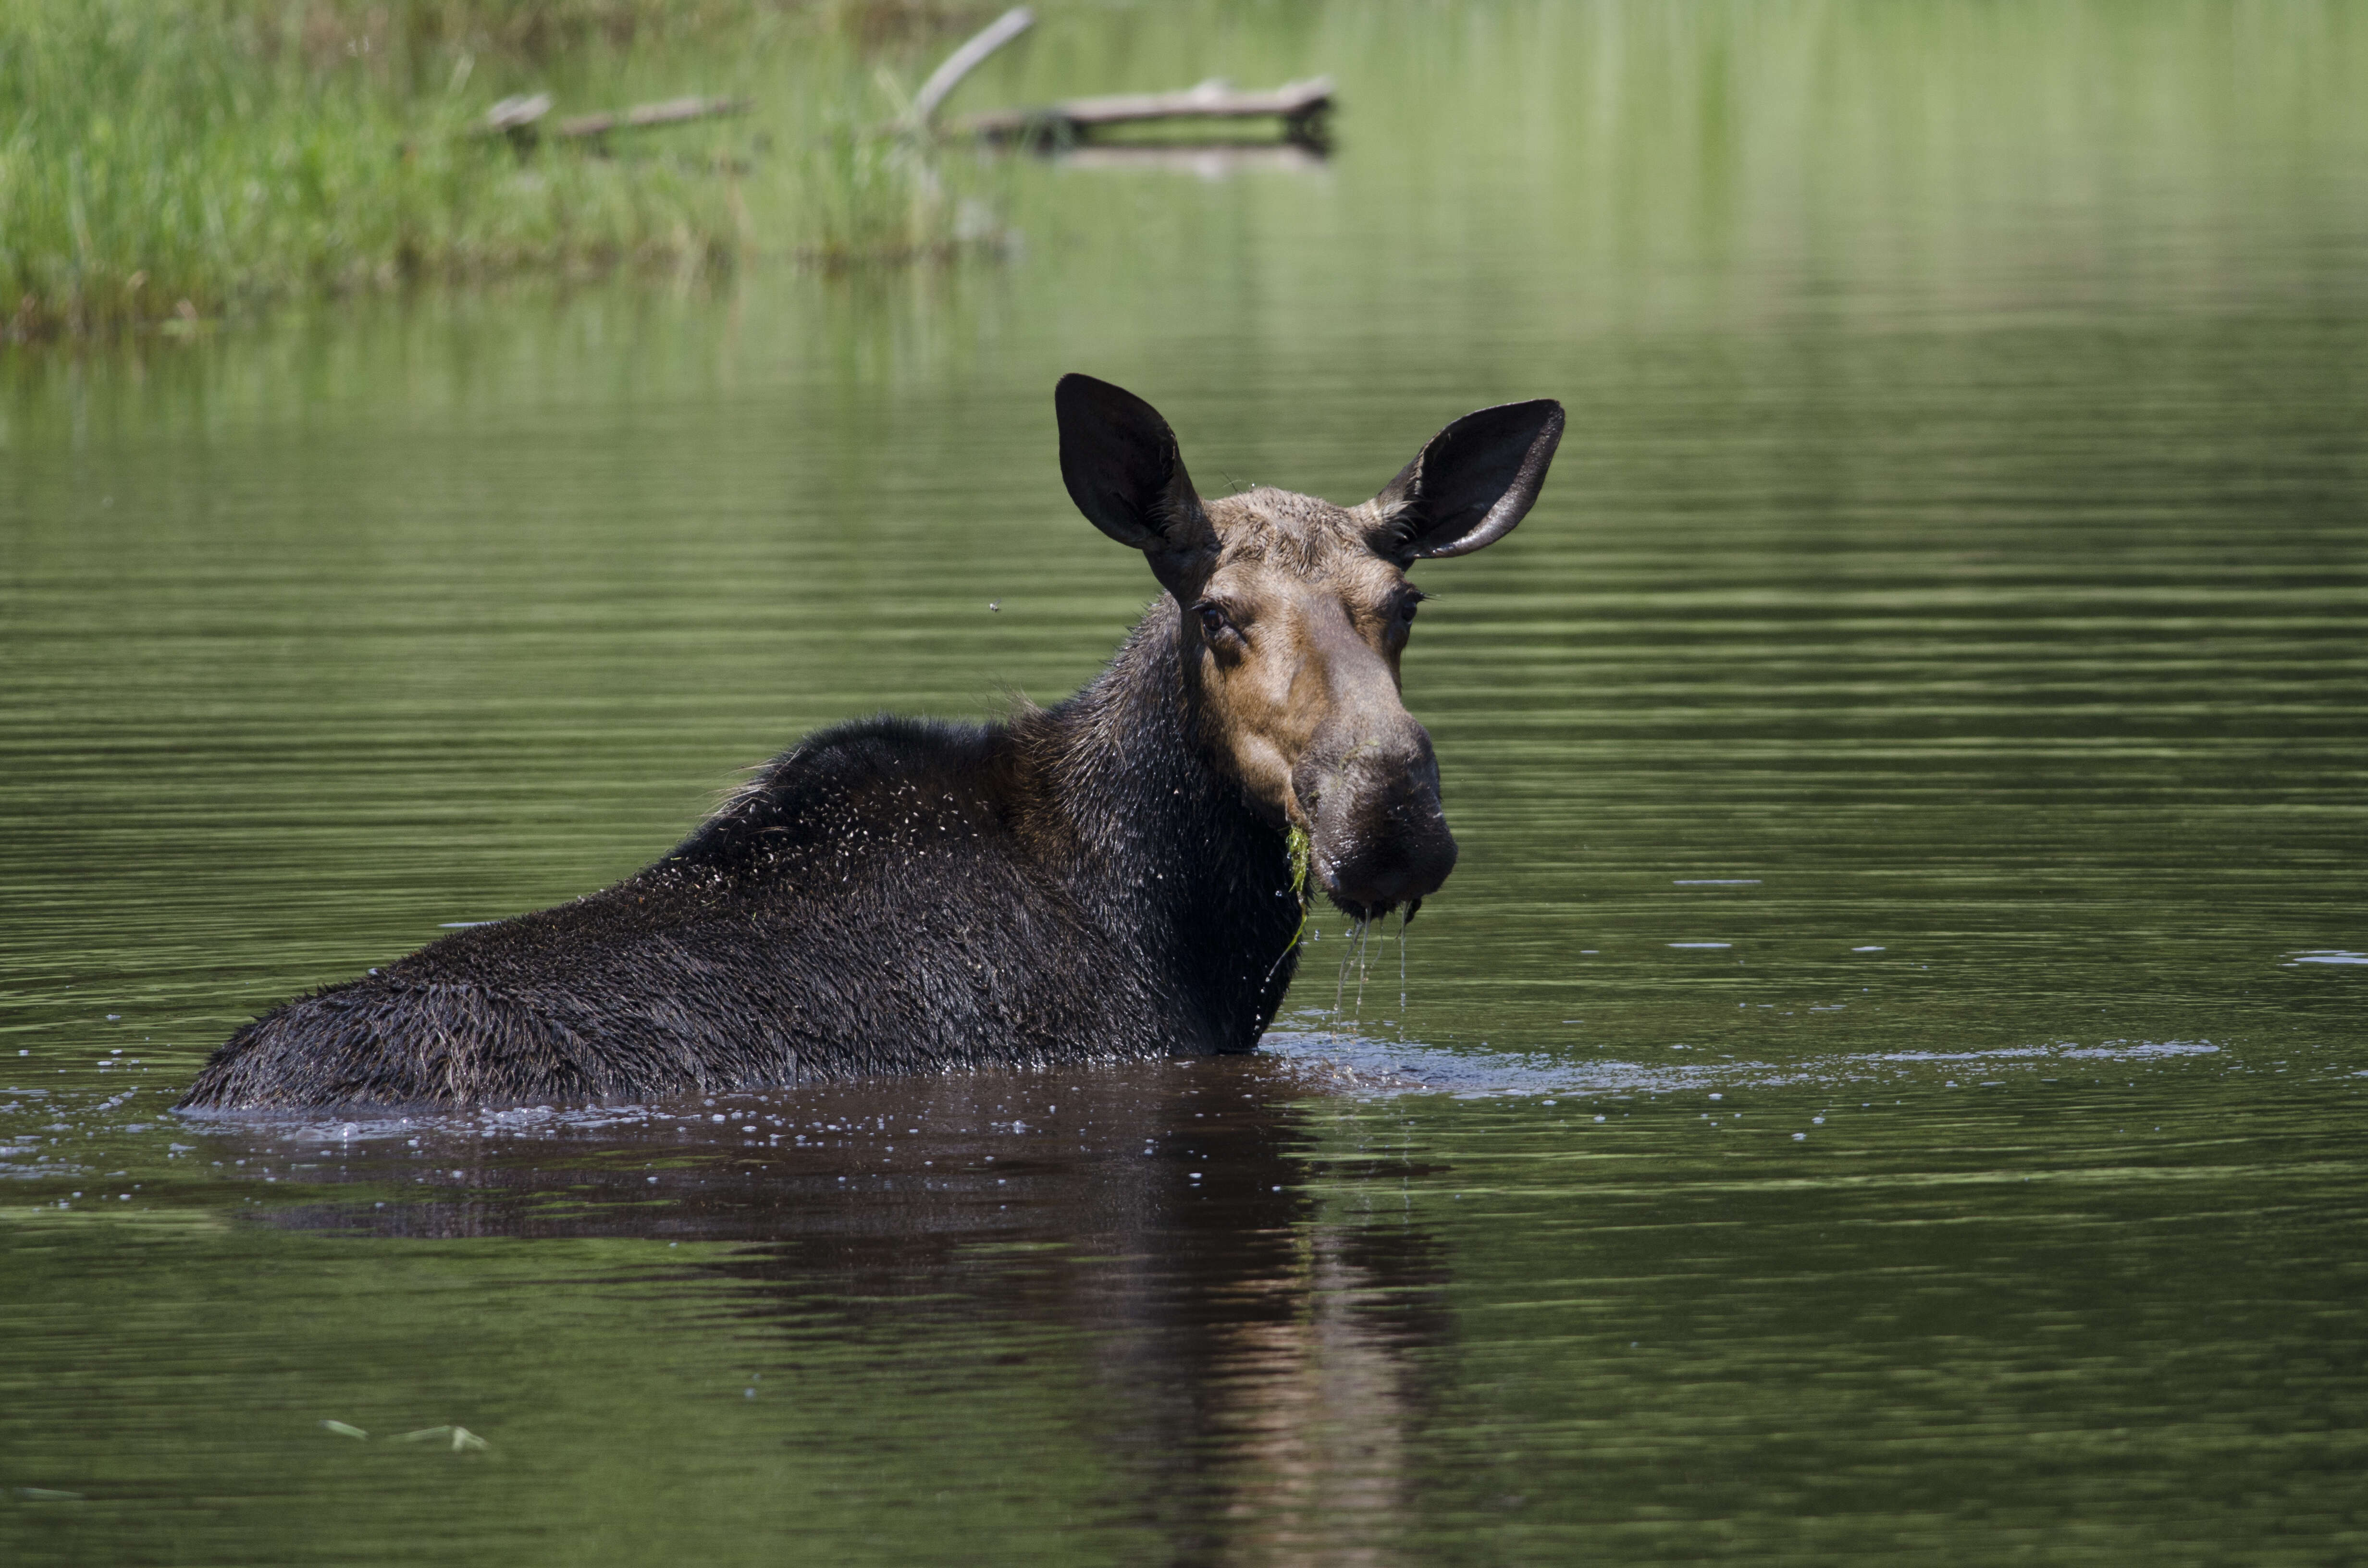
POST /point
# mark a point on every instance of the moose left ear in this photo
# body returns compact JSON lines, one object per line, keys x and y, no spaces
{"x":1470,"y":485}
{"x":1119,"y":460}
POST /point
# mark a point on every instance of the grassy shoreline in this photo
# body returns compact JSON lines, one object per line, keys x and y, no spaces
{"x":166,"y":163}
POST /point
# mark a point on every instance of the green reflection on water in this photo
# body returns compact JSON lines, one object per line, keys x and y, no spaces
{"x":1956,"y":552}
{"x":613,"y":1396}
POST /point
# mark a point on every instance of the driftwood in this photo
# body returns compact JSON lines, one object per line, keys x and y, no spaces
{"x":965,"y":60}
{"x":516,"y":117}
{"x":1297,"y":104}
{"x":520,"y":119}
{"x":674,"y":111}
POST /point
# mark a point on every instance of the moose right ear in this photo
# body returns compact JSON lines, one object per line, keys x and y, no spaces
{"x":1470,"y":485}
{"x":1119,"y":461}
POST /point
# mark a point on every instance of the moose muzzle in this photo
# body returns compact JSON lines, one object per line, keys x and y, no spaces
{"x":1372,"y":804}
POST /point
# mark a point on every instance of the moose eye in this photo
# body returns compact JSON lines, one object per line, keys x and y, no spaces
{"x":1214,"y":622}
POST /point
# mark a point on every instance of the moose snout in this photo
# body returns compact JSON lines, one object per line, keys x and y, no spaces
{"x":1379,"y":833}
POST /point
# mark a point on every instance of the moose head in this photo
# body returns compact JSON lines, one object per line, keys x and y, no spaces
{"x":1294,"y":614}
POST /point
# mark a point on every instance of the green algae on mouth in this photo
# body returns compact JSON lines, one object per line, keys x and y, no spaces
{"x":1302,"y":854}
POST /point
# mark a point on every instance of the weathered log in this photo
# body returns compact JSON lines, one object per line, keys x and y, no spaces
{"x":1297,"y":104}
{"x":674,"y":111}
{"x":515,"y":116}
{"x":965,"y":60}
{"x":520,"y":119}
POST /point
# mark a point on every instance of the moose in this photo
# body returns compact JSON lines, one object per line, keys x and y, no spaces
{"x":1111,"y":877}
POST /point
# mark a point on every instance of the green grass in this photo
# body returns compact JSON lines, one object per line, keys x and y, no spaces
{"x":175,"y":161}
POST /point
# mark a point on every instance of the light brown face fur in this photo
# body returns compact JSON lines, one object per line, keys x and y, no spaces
{"x":1297,"y":628}
{"x":1294,"y":612}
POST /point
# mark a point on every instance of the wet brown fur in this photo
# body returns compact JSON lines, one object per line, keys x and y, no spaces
{"x":1106,"y":878}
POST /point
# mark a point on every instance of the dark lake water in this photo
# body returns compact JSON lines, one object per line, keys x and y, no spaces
{"x":1885,"y":1083}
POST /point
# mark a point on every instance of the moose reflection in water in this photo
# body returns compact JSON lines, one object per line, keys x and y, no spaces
{"x":1256,"y":1352}
{"x":1111,"y":878}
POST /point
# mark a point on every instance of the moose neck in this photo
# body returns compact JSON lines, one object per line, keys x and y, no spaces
{"x":1166,"y":843}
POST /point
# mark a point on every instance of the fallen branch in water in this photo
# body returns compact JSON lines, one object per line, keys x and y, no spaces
{"x":520,"y":119}
{"x":674,"y":111}
{"x":963,"y":60}
{"x":1297,"y":104}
